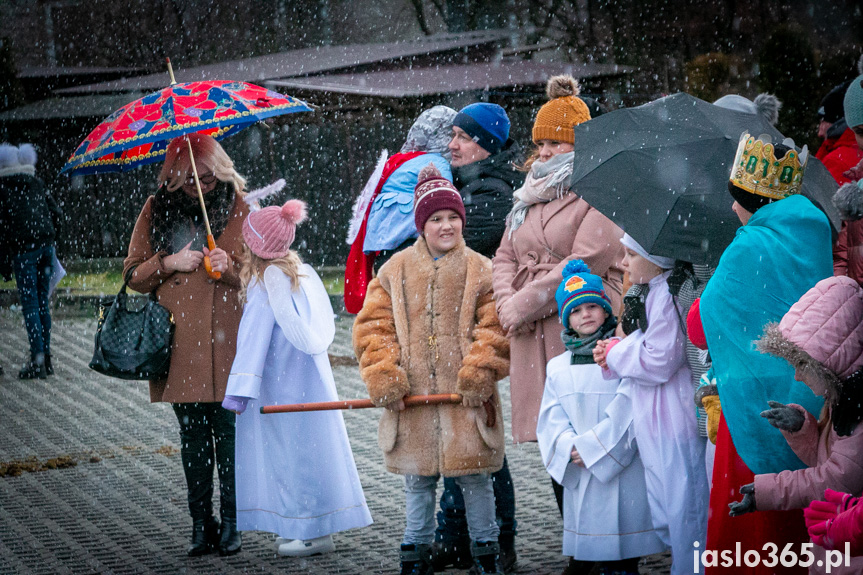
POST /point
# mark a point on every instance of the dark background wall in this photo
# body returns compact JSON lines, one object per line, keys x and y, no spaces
{"x":797,"y":49}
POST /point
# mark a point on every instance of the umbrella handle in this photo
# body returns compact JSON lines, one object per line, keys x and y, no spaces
{"x":211,"y":244}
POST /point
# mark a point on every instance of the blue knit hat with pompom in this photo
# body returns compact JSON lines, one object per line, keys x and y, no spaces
{"x":579,"y":286}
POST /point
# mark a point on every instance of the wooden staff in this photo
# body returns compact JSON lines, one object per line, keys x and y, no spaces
{"x":410,"y":401}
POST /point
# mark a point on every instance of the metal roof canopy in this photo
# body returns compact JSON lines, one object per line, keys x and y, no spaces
{"x":99,"y":105}
{"x":426,"y":81}
{"x":300,"y":62}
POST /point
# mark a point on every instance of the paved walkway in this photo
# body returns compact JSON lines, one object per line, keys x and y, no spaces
{"x":110,"y":497}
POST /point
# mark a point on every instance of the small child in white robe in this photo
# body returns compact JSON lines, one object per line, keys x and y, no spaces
{"x":652,"y":361}
{"x":295,"y":472}
{"x":585,"y":436}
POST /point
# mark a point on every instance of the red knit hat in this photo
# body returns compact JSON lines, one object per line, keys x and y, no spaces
{"x":433,"y":192}
{"x":270,"y":232}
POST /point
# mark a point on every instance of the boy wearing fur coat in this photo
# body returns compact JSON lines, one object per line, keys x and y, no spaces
{"x":429,"y":326}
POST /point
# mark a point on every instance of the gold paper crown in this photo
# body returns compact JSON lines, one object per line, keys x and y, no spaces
{"x":757,"y":170}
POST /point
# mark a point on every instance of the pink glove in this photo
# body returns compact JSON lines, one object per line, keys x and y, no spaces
{"x":845,"y":501}
{"x":847,"y":527}
{"x":820,"y":516}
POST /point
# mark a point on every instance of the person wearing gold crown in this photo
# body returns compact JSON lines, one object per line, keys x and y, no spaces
{"x":782,"y":250}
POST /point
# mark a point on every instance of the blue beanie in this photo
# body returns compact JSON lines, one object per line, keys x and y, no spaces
{"x":579,"y":286}
{"x":854,"y":103}
{"x":488,"y":124}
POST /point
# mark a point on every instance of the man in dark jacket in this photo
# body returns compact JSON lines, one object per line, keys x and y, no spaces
{"x":27,"y":216}
{"x":483,"y":169}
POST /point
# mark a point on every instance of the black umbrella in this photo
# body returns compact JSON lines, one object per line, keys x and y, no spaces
{"x":660,"y":171}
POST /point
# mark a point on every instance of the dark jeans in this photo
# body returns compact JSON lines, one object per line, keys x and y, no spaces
{"x":207,"y":429}
{"x":33,"y":275}
{"x":451,"y":520}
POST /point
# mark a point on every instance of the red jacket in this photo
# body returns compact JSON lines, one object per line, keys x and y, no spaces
{"x":840,"y":154}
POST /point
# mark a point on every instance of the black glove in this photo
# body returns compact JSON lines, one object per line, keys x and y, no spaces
{"x":745,"y":505}
{"x":783,"y":417}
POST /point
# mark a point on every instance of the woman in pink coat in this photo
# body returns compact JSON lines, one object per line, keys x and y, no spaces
{"x":822,"y":337}
{"x":548,"y":226}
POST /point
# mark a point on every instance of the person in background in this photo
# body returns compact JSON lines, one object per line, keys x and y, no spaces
{"x":483,"y":166}
{"x":848,"y":249}
{"x":166,"y":254}
{"x":839,"y":151}
{"x":29,"y":217}
{"x":483,"y":159}
{"x":549,"y":225}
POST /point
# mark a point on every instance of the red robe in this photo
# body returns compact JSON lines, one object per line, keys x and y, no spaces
{"x":752,"y":530}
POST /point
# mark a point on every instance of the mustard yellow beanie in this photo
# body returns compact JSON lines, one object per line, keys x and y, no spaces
{"x":565,"y":109}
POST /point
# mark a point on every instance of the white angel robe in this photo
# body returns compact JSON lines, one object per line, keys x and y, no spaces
{"x":653,"y":365}
{"x":295,"y":471}
{"x":606,"y":516}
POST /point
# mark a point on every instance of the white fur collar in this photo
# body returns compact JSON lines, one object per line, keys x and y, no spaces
{"x":13,"y":170}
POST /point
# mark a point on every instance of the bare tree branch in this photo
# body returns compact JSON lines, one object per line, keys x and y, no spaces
{"x":421,"y":18}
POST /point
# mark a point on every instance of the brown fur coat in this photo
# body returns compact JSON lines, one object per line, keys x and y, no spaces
{"x":431,"y":327}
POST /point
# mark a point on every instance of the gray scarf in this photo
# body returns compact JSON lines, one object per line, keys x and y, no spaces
{"x":545,"y":182}
{"x":582,"y":347}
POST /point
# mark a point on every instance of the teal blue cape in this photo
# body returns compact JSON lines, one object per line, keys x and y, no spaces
{"x":783,"y":251}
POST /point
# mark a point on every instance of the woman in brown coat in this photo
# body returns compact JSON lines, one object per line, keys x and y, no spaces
{"x":548,"y":226}
{"x":166,"y":255}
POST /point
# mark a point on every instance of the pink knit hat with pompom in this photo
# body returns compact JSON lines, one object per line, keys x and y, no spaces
{"x":270,"y":232}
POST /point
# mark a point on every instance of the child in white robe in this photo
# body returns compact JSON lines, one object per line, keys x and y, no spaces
{"x":585,"y":436}
{"x":652,"y":361}
{"x":295,"y":472}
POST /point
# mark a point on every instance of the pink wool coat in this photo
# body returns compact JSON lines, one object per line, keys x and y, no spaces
{"x":823,"y":334}
{"x":527,"y":271}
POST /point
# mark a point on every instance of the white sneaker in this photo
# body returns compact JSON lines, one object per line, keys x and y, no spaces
{"x":304,"y":548}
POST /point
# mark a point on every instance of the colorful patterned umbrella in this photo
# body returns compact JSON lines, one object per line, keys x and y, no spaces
{"x":139,"y":132}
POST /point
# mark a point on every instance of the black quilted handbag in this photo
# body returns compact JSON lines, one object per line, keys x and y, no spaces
{"x":133,"y":344}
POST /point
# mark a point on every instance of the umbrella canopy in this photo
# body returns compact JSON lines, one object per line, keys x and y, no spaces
{"x":139,"y":132}
{"x":660,"y":171}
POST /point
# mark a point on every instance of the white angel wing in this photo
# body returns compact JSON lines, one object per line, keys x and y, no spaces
{"x":361,"y":205}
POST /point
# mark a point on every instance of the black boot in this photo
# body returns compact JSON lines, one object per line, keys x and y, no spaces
{"x":508,"y":557}
{"x":205,"y":537}
{"x":416,"y":560}
{"x":445,"y":554}
{"x":485,"y":558}
{"x":33,"y":369}
{"x":231,"y":542}
{"x":49,"y":369}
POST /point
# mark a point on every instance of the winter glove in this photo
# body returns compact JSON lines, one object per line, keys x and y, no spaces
{"x":783,"y":416}
{"x":822,"y":518}
{"x":847,"y":527}
{"x":713,"y":408}
{"x":745,"y":505}
{"x":707,"y":397}
{"x":235,"y":403}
